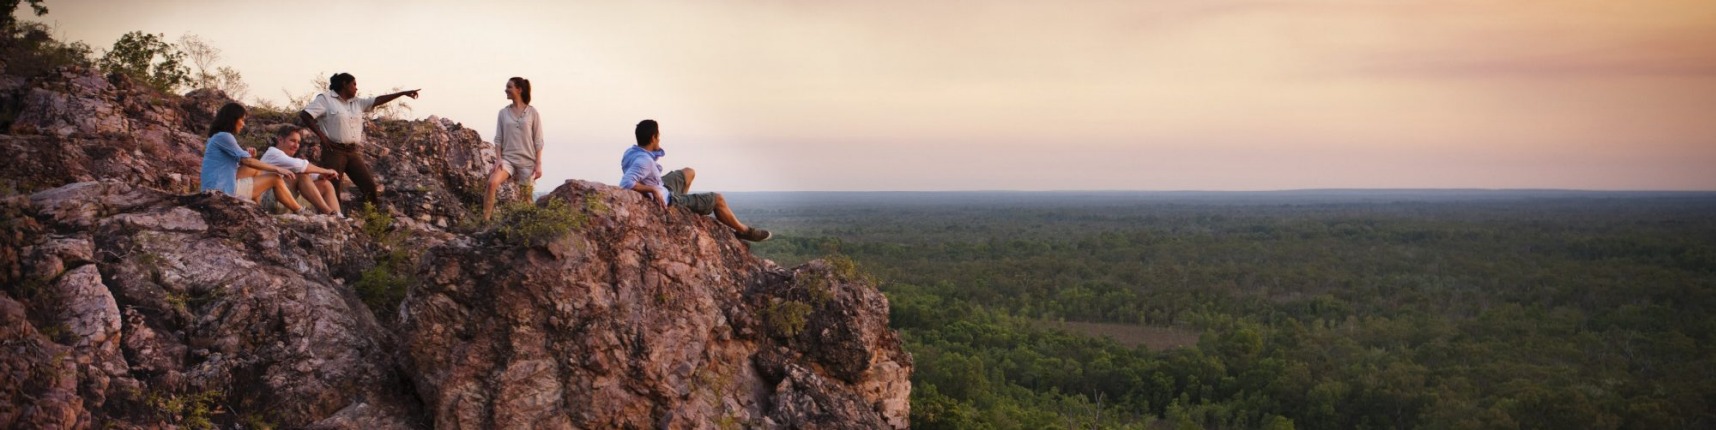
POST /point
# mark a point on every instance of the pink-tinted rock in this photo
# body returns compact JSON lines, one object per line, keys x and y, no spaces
{"x":133,"y":301}
{"x":646,"y":319}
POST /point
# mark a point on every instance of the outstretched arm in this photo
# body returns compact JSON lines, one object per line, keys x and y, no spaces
{"x":259,"y":165}
{"x":383,"y":99}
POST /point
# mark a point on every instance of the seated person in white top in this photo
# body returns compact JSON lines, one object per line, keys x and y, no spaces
{"x":315,"y":184}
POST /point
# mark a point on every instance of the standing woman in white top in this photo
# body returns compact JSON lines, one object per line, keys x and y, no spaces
{"x":518,"y":138}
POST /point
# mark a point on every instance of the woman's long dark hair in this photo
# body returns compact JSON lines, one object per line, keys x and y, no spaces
{"x":523,"y":86}
{"x":227,"y":119}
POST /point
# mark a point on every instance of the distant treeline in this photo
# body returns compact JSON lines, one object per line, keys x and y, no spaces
{"x":1548,"y":310}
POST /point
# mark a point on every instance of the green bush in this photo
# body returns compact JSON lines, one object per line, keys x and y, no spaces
{"x":787,"y":318}
{"x":148,"y":59}
{"x":526,"y":224}
{"x":192,"y":411}
{"x":376,"y":222}
{"x":382,"y":287}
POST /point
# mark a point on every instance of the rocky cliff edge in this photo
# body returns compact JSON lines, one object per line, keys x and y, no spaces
{"x":129,"y":304}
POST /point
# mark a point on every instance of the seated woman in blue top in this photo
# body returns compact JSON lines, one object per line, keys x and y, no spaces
{"x":222,"y":156}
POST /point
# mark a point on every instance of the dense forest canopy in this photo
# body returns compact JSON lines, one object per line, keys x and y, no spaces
{"x":1316,"y":309}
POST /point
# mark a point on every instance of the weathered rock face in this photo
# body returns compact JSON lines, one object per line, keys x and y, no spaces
{"x":136,"y":305}
{"x":79,"y":125}
{"x":131,"y":303}
{"x":646,"y":317}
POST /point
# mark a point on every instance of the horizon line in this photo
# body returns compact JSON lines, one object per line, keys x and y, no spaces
{"x":1282,"y":190}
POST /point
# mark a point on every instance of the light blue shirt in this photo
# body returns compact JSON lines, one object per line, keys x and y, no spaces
{"x":220,"y":163}
{"x":640,"y":167}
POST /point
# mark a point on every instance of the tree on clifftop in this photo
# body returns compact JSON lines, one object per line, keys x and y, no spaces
{"x":148,"y":59}
{"x":8,"y":22}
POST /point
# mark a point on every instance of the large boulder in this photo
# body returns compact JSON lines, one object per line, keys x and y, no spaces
{"x":160,"y":308}
{"x":641,"y":316}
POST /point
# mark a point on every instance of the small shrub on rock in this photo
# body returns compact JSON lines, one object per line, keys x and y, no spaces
{"x":526,"y":224}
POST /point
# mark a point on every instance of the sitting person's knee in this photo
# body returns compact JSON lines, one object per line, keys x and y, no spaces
{"x":689,"y":173}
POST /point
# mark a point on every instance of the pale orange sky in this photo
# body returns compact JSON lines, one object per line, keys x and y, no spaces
{"x":1137,"y":95}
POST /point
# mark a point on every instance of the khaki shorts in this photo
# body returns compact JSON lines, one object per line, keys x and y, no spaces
{"x":520,"y":173}
{"x":241,"y":188}
{"x":700,"y":203}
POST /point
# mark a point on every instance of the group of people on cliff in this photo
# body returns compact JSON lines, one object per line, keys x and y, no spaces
{"x":336,"y":119}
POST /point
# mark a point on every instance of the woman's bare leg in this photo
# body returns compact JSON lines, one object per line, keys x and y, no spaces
{"x":327,"y":191}
{"x":283,"y":194}
{"x":307,"y":188}
{"x":260,"y":185}
{"x":496,"y":178}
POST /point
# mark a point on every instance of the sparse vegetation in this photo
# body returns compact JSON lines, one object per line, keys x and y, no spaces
{"x":384,"y":285}
{"x":817,"y":288}
{"x":209,"y":73}
{"x":30,"y":50}
{"x":191,"y":411}
{"x":526,"y":224}
{"x":786,"y":317}
{"x":376,"y":222}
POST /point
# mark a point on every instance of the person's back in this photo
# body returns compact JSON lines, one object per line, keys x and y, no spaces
{"x":221,"y":155}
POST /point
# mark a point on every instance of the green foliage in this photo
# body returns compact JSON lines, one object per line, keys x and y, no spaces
{"x":526,"y":224}
{"x":817,"y":288}
{"x":383,"y":286}
{"x":148,"y":59}
{"x":593,"y":204}
{"x":376,"y":222}
{"x":192,"y":411}
{"x":10,"y":23}
{"x":30,"y":51}
{"x":1534,"y":313}
{"x":787,"y":317}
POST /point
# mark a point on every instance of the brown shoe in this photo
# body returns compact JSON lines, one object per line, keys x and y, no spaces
{"x":754,"y":235}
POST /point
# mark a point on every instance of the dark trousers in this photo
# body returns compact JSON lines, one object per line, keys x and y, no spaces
{"x":349,"y":162}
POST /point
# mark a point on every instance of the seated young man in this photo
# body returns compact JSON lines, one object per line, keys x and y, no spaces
{"x":643,"y":174}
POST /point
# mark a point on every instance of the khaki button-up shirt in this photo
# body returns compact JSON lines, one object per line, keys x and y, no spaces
{"x":342,"y":121}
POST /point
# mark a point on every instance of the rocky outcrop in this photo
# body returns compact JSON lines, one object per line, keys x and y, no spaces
{"x":644,"y":317}
{"x":131,"y":303}
{"x":154,"y":308}
{"x":81,"y":125}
